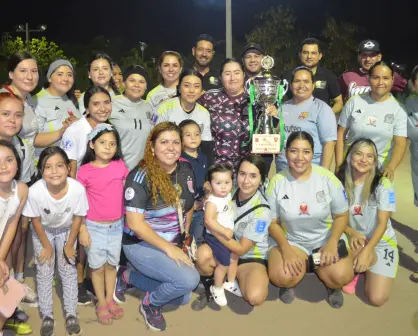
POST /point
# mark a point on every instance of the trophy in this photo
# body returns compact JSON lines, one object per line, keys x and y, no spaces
{"x":267,"y":90}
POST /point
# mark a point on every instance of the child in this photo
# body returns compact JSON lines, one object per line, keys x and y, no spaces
{"x":191,"y":138}
{"x":219,"y":218}
{"x":57,"y":205}
{"x":103,"y":174}
{"x":13,"y":197}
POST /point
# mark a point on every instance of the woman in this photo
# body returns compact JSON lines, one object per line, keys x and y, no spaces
{"x":100,"y":74}
{"x":304,"y":112}
{"x":252,"y":218}
{"x":185,"y":106}
{"x":412,"y":108}
{"x":378,"y":116}
{"x":310,"y":212}
{"x":118,"y":77}
{"x":170,"y":65}
{"x":371,"y":201}
{"x":131,"y":115}
{"x":56,"y":102}
{"x":156,"y":193}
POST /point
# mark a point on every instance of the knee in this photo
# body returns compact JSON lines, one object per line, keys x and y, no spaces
{"x":377,"y":299}
{"x":339,"y":278}
{"x":189,"y":280}
{"x":256,"y":296}
{"x":281,"y":279}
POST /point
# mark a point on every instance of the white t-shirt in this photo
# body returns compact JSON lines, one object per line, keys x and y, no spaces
{"x":56,"y":213}
{"x":225,"y":210}
{"x":74,"y":140}
{"x":8,"y":207}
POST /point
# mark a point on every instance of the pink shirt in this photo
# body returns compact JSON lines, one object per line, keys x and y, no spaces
{"x":104,"y":187}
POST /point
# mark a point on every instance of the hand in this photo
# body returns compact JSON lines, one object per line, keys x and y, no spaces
{"x":362,"y":261}
{"x":291,"y":262}
{"x":272,"y":111}
{"x":46,"y":255}
{"x":84,"y":238}
{"x":389,"y":173}
{"x":70,"y":252}
{"x":329,"y":254}
{"x":228,"y":233}
{"x":178,"y":256}
{"x":4,"y":273}
{"x":67,"y":122}
{"x":357,"y":241}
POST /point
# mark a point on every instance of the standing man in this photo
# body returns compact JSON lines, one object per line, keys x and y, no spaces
{"x":203,"y":53}
{"x":251,"y":58}
{"x":355,"y":82}
{"x":326,"y":86}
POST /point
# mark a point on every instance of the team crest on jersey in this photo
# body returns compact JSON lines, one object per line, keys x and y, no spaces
{"x":129,"y":193}
{"x":154,"y":118}
{"x":190,"y":184}
{"x":320,"y":197}
{"x":303,"y":209}
{"x":389,"y":118}
{"x":320,"y":84}
{"x":213,"y":80}
{"x":372,"y":121}
{"x":303,"y":115}
{"x":357,"y":210}
{"x":68,"y":145}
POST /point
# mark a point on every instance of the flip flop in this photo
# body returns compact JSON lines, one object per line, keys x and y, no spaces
{"x":116,"y":312}
{"x":104,"y":316}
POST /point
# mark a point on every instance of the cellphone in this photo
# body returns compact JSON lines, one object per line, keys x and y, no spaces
{"x":11,"y":294}
{"x":315,"y":257}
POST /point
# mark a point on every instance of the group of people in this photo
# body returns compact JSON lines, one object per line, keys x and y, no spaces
{"x":117,"y":189}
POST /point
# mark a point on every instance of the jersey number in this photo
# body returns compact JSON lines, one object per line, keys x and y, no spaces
{"x":138,"y":123}
{"x":389,"y":255}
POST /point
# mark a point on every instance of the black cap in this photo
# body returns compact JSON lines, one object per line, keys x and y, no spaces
{"x":136,"y":69}
{"x":368,"y":45}
{"x":252,"y":46}
{"x":205,"y":37}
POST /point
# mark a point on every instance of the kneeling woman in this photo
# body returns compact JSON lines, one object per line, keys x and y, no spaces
{"x":310,"y":212}
{"x":372,"y":238}
{"x":252,"y":218}
{"x":156,"y":192}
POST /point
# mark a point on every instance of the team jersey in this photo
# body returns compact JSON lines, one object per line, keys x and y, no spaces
{"x":133,"y":122}
{"x":412,"y":108}
{"x":305,"y":208}
{"x":158,"y":94}
{"x":81,"y":106}
{"x":254,"y":225}
{"x":313,"y":116}
{"x":363,"y":217}
{"x":379,"y":121}
{"x":51,"y":112}
{"x":171,"y":110}
{"x":28,"y":169}
{"x":224,"y":210}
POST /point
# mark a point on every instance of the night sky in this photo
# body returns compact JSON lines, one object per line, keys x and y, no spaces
{"x":174,"y":24}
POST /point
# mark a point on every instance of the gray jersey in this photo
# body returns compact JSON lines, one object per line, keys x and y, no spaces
{"x":171,"y":110}
{"x":363,"y":217}
{"x":412,"y":108}
{"x":27,"y":167}
{"x":379,"y":121}
{"x":305,"y":208}
{"x":81,"y":106}
{"x":254,"y":226}
{"x":51,"y":112}
{"x":313,"y":116}
{"x":158,"y":94}
{"x":133,"y":122}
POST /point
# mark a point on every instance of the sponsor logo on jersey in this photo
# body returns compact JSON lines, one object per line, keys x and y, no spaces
{"x":213,"y":80}
{"x":371,"y":121}
{"x":129,"y":193}
{"x":303,"y":115}
{"x":354,"y":90}
{"x":320,"y":197}
{"x":320,"y":84}
{"x":392,"y":199}
{"x":357,"y":210}
{"x":389,"y":118}
{"x":303,"y":209}
{"x":154,"y":118}
{"x":56,"y":108}
{"x":292,"y":128}
{"x":285,"y":197}
{"x":121,"y":111}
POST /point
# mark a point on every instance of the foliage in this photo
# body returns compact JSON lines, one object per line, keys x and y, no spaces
{"x":135,"y":58}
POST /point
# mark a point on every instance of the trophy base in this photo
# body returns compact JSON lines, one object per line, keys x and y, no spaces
{"x":266,"y":144}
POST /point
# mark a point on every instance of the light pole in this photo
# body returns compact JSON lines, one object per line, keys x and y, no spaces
{"x":228,"y":28}
{"x":25,"y":28}
{"x":143,"y":46}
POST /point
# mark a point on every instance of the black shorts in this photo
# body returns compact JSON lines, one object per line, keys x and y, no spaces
{"x":252,"y":260}
{"x":219,"y":251}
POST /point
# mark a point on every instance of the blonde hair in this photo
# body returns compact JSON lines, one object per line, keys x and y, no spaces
{"x":158,"y":179}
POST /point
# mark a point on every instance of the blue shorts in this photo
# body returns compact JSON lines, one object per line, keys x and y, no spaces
{"x":106,"y":243}
{"x":220,"y":252}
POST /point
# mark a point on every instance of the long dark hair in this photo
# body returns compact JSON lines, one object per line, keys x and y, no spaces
{"x":109,"y":60}
{"x":91,"y":91}
{"x":91,"y":155}
{"x":188,"y":72}
{"x":46,"y":154}
{"x":258,"y":161}
{"x":299,"y":135}
{"x":7,"y":144}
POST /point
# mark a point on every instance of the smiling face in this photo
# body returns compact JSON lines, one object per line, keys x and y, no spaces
{"x":252,"y":62}
{"x":135,"y":87}
{"x":55,"y":170}
{"x":299,"y":156}
{"x":249,"y":179}
{"x":203,"y":53}
{"x":62,"y":80}
{"x":368,"y":58}
{"x":100,"y":72}
{"x":25,"y":77}
{"x":117,"y":76}
{"x":233,"y":78}
{"x":381,"y":80}
{"x":302,"y":85}
{"x":170,"y":68}
{"x":11,"y":117}
{"x":8,"y":165}
{"x":363,"y":159}
{"x":310,"y":55}
{"x":190,"y":89}
{"x":100,"y":107}
{"x":167,"y":149}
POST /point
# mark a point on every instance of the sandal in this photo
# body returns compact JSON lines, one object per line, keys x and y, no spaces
{"x":104,"y":316}
{"x":116,"y":311}
{"x":414,"y":277}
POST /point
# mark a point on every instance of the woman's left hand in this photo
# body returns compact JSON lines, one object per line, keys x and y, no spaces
{"x":272,"y":111}
{"x":329,"y":254}
{"x":362,"y":261}
{"x":389,"y":173}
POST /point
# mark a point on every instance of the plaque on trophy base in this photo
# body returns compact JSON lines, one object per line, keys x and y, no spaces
{"x":266,"y":144}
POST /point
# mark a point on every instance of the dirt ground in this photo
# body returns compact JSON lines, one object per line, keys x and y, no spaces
{"x":309,"y":314}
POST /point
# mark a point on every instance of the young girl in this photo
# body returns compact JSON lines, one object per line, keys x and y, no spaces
{"x":57,"y":205}
{"x":372,"y":238}
{"x":219,"y":217}
{"x":103,"y":174}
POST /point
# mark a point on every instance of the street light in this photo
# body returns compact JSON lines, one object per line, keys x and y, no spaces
{"x":25,"y":28}
{"x":143,"y":46}
{"x":228,"y":28}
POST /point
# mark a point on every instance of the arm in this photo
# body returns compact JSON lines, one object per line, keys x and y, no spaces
{"x":327,"y":154}
{"x":339,"y":148}
{"x":47,"y":139}
{"x":73,"y":168}
{"x":75,"y":229}
{"x":337,"y":104}
{"x":277,"y":233}
{"x":339,"y":224}
{"x":211,"y":221}
{"x":398,"y":154}
{"x":239,"y":248}
{"x":380,"y":229}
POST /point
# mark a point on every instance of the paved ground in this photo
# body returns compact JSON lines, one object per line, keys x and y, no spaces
{"x":308,"y":315}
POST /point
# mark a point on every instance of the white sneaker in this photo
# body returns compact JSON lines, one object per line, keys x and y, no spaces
{"x":31,"y":298}
{"x":219,"y":295}
{"x":232,"y":287}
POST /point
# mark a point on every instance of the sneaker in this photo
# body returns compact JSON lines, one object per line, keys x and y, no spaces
{"x":121,"y":286}
{"x":47,"y":327}
{"x":153,"y":315}
{"x":31,"y":298}
{"x":21,"y":314}
{"x":200,"y":303}
{"x":88,"y":285}
{"x":335,"y":298}
{"x":232,"y":287}
{"x":286,"y":295}
{"x":83,"y":297}
{"x":18,"y":326}
{"x":219,"y":295}
{"x":72,"y":326}
{"x":351,"y":287}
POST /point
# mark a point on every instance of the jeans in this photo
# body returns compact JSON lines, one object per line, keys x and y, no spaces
{"x":156,"y":273}
{"x":197,"y":227}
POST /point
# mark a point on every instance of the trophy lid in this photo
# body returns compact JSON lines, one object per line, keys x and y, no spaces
{"x":267,"y":63}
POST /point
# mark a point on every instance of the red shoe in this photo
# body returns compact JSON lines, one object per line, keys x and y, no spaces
{"x":351,"y":287}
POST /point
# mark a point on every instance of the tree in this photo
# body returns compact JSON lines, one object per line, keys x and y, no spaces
{"x":135,"y":58}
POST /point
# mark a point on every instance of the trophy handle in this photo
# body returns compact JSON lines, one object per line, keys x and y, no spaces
{"x":285,"y":86}
{"x":247,"y":86}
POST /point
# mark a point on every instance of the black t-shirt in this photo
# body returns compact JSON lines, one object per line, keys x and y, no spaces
{"x":211,"y":80}
{"x":325,"y":82}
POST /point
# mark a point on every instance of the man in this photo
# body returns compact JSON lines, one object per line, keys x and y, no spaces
{"x":355,"y":82}
{"x":203,"y":53}
{"x":251,"y":58}
{"x":326,"y":86}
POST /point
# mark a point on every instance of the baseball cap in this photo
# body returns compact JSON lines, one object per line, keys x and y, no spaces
{"x":252,"y":46}
{"x":369,"y":45}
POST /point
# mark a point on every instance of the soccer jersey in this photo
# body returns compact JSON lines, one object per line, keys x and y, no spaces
{"x":171,"y":110}
{"x":51,"y":112}
{"x":254,"y":225}
{"x":305,"y":208}
{"x":133,"y":122}
{"x":363,"y":215}
{"x":379,"y":121}
{"x":224,"y":210}
{"x":27,"y":159}
{"x":313,"y":116}
{"x":158,"y":94}
{"x":412,"y":108}
{"x":81,"y":106}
